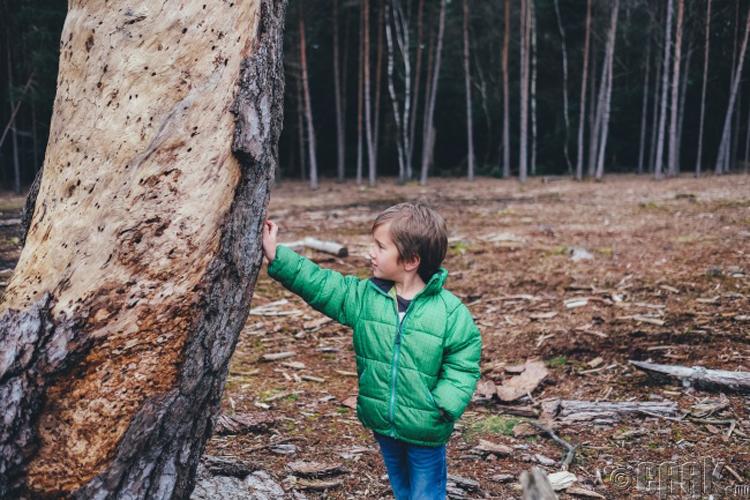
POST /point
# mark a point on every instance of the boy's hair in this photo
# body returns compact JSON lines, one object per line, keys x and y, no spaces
{"x":417,"y":231}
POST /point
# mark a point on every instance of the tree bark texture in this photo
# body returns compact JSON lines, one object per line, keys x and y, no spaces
{"x":143,"y":249}
{"x":582,"y":105}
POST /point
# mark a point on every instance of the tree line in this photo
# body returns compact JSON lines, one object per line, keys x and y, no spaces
{"x":416,"y":88}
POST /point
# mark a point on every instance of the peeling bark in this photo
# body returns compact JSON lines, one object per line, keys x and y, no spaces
{"x":143,"y":248}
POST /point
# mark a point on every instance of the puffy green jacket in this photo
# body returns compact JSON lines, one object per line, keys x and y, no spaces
{"x":408,"y":372}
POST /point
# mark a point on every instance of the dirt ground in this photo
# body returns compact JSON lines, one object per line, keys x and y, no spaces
{"x":667,"y":281}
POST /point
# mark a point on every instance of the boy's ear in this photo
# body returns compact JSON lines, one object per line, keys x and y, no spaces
{"x":413,"y":264}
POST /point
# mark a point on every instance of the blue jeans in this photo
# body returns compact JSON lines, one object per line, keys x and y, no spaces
{"x":415,"y":472}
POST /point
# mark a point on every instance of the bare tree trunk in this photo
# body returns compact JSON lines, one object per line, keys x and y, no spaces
{"x":301,"y":125}
{"x":429,"y":144}
{"x":566,"y":114}
{"x":672,"y":157}
{"x":378,"y":80}
{"x":12,"y":122}
{"x":731,"y":159}
{"x":131,"y":291}
{"x":607,"y":84}
{"x":681,"y":112}
{"x":532,"y":28}
{"x":664,"y":86}
{"x":360,"y":94}
{"x":655,"y":116}
{"x":723,"y":152}
{"x":644,"y":109}
{"x":308,"y":104}
{"x":415,"y":95}
{"x":584,"y":80}
{"x":747,"y":141}
{"x":595,"y":113}
{"x":524,"y":92}
{"x":394,"y":15}
{"x":467,"y":81}
{"x":699,"y":155}
{"x":369,"y":136}
{"x":340,"y":133}
{"x":506,"y":99}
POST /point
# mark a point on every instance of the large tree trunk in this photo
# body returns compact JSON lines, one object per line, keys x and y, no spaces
{"x":724,"y":150}
{"x":467,"y":84}
{"x":566,"y":114}
{"x":699,"y":155}
{"x":672,"y":156}
{"x":143,"y":250}
{"x":584,"y":80}
{"x":506,"y":99}
{"x":658,"y":160}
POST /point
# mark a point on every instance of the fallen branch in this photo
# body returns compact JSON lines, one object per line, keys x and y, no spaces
{"x":606,"y":412}
{"x":331,"y":247}
{"x":698,"y":375}
{"x":569,"y":448}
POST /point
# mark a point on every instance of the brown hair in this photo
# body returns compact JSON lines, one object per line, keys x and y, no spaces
{"x":417,"y":231}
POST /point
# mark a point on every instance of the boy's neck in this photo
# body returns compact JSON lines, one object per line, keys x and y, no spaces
{"x":409,"y":286}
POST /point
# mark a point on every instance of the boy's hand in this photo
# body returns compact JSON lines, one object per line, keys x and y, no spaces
{"x":270,"y":230}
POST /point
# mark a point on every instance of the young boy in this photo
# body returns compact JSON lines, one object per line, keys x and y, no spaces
{"x":416,"y":345}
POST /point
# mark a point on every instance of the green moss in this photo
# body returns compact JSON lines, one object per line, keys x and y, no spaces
{"x":494,"y":424}
{"x":557,"y":362}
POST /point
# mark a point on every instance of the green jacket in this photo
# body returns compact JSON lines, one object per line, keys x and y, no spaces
{"x":408,"y":372}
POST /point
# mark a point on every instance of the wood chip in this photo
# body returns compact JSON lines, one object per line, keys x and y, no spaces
{"x":525,"y":383}
{"x":277,"y":356}
{"x":313,"y":378}
{"x":317,"y":485}
{"x":296,"y":365}
{"x":574,"y":303}
{"x":315,"y":469}
{"x":595,"y":362}
{"x":543,"y":315}
{"x":562,"y":480}
{"x":486,"y":388}
{"x":648,"y":319}
{"x":485,"y":446}
{"x":241,"y":423}
{"x":583,"y":492}
{"x":524,"y":429}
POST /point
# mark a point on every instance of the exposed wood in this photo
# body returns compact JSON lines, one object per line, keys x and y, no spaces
{"x":143,"y":249}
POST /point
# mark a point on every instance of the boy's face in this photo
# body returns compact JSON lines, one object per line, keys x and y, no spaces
{"x":384,"y":256}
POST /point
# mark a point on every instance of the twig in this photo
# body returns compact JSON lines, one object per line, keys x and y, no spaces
{"x":571,"y":449}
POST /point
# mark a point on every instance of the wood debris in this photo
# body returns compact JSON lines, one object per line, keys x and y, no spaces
{"x":330,"y":247}
{"x":241,"y":423}
{"x":525,"y":383}
{"x":536,"y":485}
{"x":698,"y":375}
{"x":605,"y":412}
{"x":276,"y":356}
{"x":486,"y":447}
{"x":315,"y":469}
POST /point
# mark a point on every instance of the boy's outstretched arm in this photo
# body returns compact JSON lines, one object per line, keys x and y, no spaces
{"x":335,"y":295}
{"x":460,"y":371}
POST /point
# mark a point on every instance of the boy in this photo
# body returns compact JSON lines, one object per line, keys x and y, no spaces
{"x":416,"y":345}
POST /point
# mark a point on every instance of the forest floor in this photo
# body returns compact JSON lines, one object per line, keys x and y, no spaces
{"x":666,"y":279}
